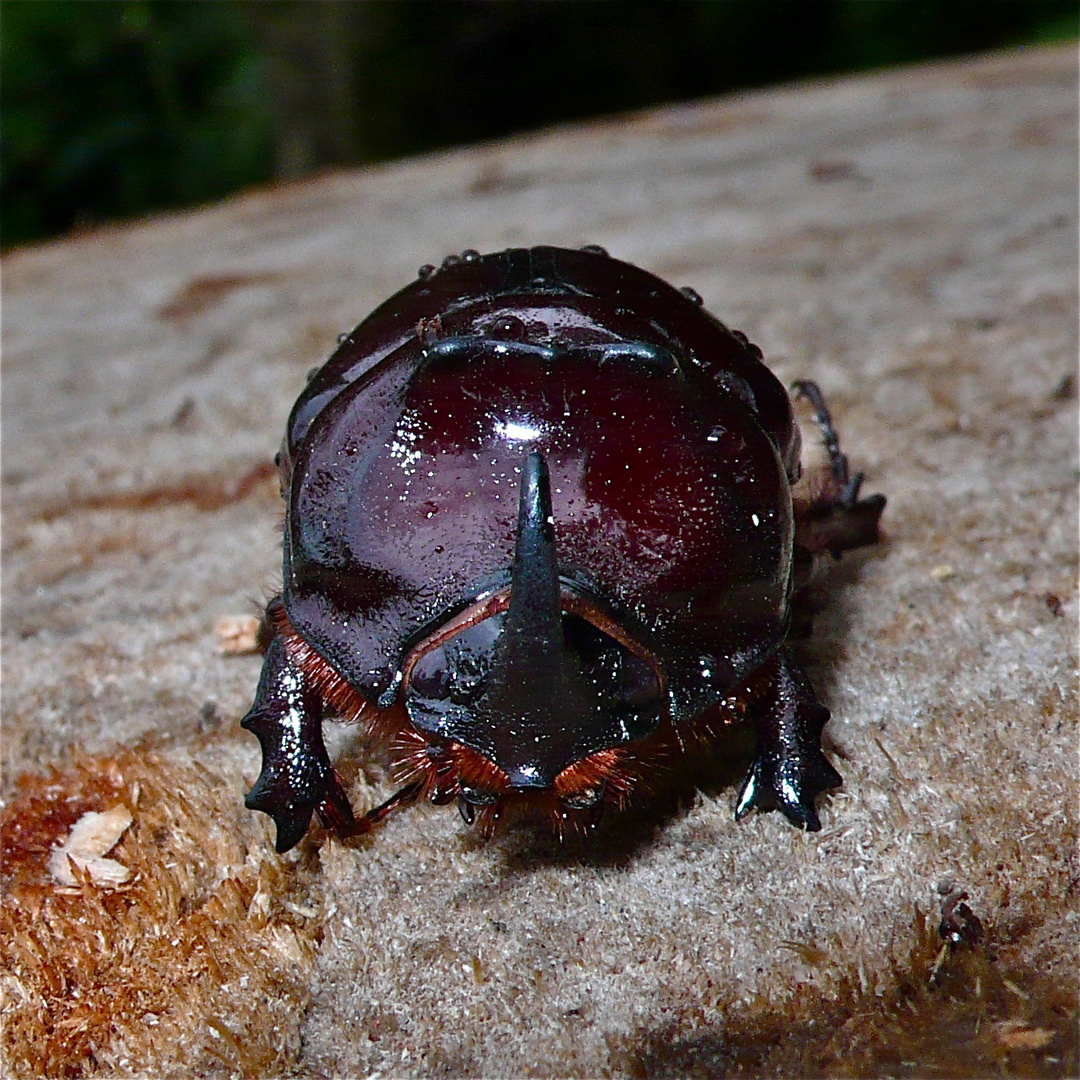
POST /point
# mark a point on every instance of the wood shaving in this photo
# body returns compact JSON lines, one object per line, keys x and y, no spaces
{"x":92,"y":836}
{"x":237,"y":634}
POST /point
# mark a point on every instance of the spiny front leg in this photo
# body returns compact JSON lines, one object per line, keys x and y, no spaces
{"x":789,"y":769}
{"x":297,"y":778}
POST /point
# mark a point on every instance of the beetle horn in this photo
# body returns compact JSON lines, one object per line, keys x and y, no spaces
{"x":533,"y":623}
{"x":537,"y":693}
{"x":551,"y":690}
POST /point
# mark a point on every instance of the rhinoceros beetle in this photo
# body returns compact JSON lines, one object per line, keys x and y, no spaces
{"x":543,"y":534}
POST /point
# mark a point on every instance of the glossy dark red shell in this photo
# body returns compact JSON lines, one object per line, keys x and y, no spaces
{"x":671,"y":450}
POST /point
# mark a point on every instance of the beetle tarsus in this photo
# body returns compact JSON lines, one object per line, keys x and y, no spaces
{"x":835,"y":519}
{"x":789,"y":769}
{"x":849,"y":497}
{"x":297,"y":778}
{"x":405,"y":796}
{"x":837,"y":459}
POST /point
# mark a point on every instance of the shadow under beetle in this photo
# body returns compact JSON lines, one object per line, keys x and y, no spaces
{"x":544,"y":527}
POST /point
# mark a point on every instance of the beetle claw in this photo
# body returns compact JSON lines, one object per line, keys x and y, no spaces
{"x":290,"y":791}
{"x":789,"y":769}
{"x":789,"y":786}
{"x":836,"y":519}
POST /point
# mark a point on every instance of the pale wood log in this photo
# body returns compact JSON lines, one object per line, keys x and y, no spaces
{"x":907,"y":239}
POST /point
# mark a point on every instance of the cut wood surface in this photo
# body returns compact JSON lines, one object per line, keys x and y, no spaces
{"x":908,"y":240}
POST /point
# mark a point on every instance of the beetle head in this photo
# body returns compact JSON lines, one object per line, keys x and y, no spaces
{"x":536,"y":695}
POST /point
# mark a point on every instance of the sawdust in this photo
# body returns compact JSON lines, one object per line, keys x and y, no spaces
{"x":198,"y":964}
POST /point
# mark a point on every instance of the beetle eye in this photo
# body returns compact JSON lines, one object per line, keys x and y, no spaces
{"x":508,"y":328}
{"x":430,"y":682}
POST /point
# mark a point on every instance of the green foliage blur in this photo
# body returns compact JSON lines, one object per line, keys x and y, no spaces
{"x":111,"y":109}
{"x":116,"y":108}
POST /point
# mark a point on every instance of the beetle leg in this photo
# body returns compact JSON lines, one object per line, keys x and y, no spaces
{"x":847,"y":486}
{"x":789,"y":769}
{"x":406,"y":796}
{"x":297,"y":778}
{"x":835,"y":519}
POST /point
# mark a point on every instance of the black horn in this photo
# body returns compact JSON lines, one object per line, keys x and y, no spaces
{"x":536,"y":686}
{"x":533,"y":624}
{"x":554,"y":688}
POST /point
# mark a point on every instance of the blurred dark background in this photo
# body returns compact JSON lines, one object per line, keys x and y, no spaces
{"x":118,"y":107}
